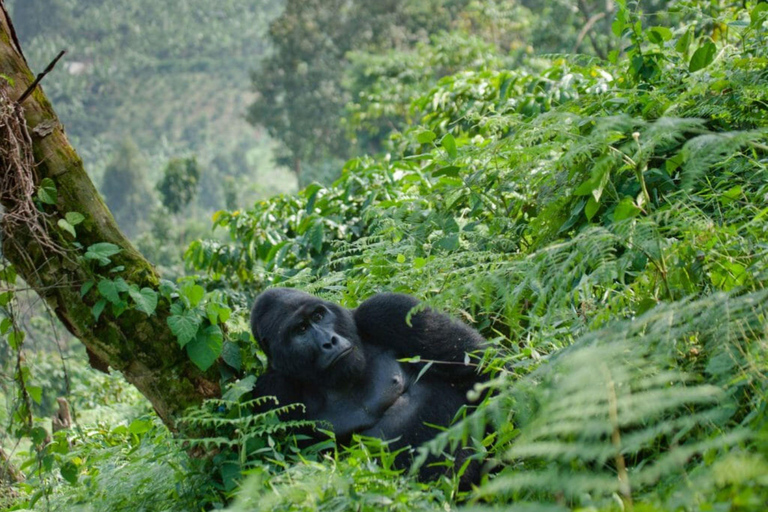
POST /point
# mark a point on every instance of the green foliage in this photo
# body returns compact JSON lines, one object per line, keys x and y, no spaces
{"x":146,"y":70}
{"x":382,"y":86}
{"x":300,"y":85}
{"x":137,"y":466}
{"x":246,"y":442}
{"x":126,"y":190}
{"x":195,"y":320}
{"x":360,"y":479}
{"x":603,"y":223}
{"x":179,"y":184}
{"x":47,"y":192}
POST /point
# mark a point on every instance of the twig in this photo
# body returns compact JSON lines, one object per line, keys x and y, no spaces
{"x":587,"y":27}
{"x":41,"y":76}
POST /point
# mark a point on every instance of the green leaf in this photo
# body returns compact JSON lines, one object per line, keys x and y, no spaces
{"x":5,"y":324}
{"x":86,"y":288}
{"x":38,"y":435}
{"x":657,"y":35}
{"x":184,"y":326}
{"x":35,"y":393}
{"x":69,"y":472}
{"x":702,"y":57}
{"x":140,"y":426}
{"x":15,"y":339}
{"x":311,"y":191}
{"x":66,"y":226}
{"x":731,"y":195}
{"x":685,"y":41}
{"x":424,"y":370}
{"x":449,"y":144}
{"x":426,"y":137}
{"x":110,"y":290}
{"x":617,"y":27}
{"x":585,"y":188}
{"x":167,"y":288}
{"x":74,"y":218}
{"x":316,"y":236}
{"x":98,"y":308}
{"x":206,"y":347}
{"x":239,"y":388}
{"x":146,"y":299}
{"x":230,"y":352}
{"x":449,"y":243}
{"x":592,"y":207}
{"x":626,"y":209}
{"x":6,"y":297}
{"x":212,"y":312}
{"x":8,"y":275}
{"x":101,"y":252}
{"x":756,"y":16}
{"x":194,"y":293}
{"x":47,"y":191}
{"x":450,"y":170}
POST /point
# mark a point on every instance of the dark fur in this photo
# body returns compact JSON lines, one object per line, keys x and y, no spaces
{"x":367,"y":391}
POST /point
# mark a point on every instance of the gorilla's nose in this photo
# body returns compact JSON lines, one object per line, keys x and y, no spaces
{"x":330,"y":343}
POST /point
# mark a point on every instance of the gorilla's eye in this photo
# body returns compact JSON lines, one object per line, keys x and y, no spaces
{"x":317,"y":315}
{"x":302,"y":327}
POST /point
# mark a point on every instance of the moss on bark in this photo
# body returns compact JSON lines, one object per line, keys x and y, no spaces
{"x":141,"y":347}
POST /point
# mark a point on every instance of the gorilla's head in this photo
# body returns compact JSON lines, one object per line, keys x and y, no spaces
{"x":307,"y":338}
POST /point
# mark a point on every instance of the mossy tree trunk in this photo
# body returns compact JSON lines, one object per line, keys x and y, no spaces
{"x":141,"y":347}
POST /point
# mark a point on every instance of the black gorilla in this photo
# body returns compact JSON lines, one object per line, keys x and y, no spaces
{"x":343,"y":364}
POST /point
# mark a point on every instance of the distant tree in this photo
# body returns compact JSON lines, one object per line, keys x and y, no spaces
{"x":179,"y":184}
{"x":300,"y":94}
{"x":35,"y":16}
{"x":126,"y":189}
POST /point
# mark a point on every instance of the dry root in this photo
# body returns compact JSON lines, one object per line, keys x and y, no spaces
{"x":18,"y":179}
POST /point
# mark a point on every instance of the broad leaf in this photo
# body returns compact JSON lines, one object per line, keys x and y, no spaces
{"x":74,"y":218}
{"x":184,"y":326}
{"x":194,"y":293}
{"x":206,"y":347}
{"x":451,"y":170}
{"x":15,"y":339}
{"x":426,"y":137}
{"x":101,"y":252}
{"x":111,"y":290}
{"x":66,"y":226}
{"x":240,"y":388}
{"x":626,"y":209}
{"x":231,"y":355}
{"x":449,"y":144}
{"x":47,"y":191}
{"x":145,"y":299}
{"x":702,"y":57}
{"x":86,"y":288}
{"x":98,"y":308}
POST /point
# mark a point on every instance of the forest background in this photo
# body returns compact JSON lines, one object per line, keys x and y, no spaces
{"x":584,"y":182}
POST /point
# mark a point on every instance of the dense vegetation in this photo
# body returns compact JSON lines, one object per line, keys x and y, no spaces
{"x":603,"y":221}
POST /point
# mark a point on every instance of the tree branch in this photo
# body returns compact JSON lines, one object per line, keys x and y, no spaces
{"x":40,"y":76}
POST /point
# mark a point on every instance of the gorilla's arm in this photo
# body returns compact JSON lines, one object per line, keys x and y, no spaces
{"x":381,"y":320}
{"x":271,"y":383}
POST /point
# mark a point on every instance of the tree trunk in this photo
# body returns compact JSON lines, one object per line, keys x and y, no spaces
{"x":141,"y":347}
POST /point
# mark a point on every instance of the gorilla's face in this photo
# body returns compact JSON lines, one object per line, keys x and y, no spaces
{"x":307,"y":338}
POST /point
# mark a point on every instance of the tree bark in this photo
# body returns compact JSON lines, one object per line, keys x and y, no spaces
{"x":141,"y":347}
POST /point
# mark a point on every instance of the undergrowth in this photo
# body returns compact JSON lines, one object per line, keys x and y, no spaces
{"x":605,"y":226}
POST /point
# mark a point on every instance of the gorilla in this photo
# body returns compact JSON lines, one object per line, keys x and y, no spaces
{"x":343,"y":365}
